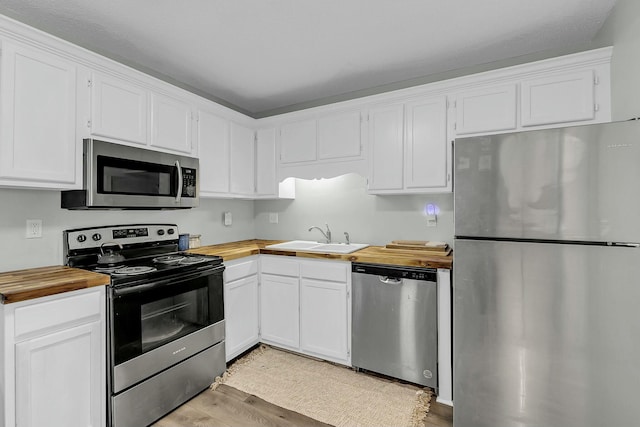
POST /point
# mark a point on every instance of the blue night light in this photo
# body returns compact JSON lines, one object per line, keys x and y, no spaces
{"x":431,"y":209}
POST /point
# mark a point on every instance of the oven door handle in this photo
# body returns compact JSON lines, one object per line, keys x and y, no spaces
{"x":165,"y":282}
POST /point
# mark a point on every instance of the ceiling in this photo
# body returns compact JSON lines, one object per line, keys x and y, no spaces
{"x":258,"y":56}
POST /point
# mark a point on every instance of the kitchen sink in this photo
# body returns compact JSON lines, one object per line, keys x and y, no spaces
{"x":293,"y":245}
{"x":339,"y":248}
{"x":307,"y":246}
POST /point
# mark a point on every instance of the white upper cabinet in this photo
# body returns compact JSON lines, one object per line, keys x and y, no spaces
{"x":38,"y":146}
{"x":339,"y":136}
{"x":242,"y":160}
{"x":119,"y":109}
{"x":214,"y":150}
{"x":331,"y":137}
{"x":426,"y":145}
{"x":266,"y":181}
{"x":560,"y":98}
{"x":386,"y":142}
{"x":409,"y":151}
{"x":298,"y":141}
{"x":486,"y":110}
{"x":171,"y":123}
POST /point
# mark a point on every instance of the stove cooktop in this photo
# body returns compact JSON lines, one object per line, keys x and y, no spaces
{"x":150,"y":252}
{"x":156,"y":267}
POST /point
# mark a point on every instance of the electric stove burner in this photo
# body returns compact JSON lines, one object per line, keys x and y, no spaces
{"x":192,"y":260}
{"x":169,"y":259}
{"x":108,"y":269}
{"x":132,"y":271}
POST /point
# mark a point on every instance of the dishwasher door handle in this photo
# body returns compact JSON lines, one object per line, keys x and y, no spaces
{"x":390,"y":280}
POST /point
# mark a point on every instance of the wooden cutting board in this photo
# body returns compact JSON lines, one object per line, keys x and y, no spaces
{"x":422,"y":245}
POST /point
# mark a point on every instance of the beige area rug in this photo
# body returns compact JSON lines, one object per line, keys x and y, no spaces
{"x":332,"y":394}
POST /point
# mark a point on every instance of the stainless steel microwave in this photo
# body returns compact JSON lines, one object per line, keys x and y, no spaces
{"x":123,"y":177}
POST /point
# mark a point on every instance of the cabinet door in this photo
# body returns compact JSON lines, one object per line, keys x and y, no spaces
{"x":385,"y":147}
{"x":323,"y":318}
{"x":242,"y":160}
{"x":298,"y":141}
{"x":118,"y":109}
{"x":490,"y":109}
{"x":266,"y":181}
{"x":558,"y":99}
{"x":58,"y":379}
{"x":241,"y":315}
{"x":425,"y":163}
{"x":171,"y":123}
{"x":213,"y":140}
{"x":38,"y":110}
{"x":279,"y":303}
{"x":339,"y":136}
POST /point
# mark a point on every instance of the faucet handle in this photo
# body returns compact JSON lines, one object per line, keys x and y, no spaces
{"x":346,"y":236}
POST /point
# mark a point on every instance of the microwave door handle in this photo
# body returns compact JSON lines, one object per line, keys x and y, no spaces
{"x":179,"y":192}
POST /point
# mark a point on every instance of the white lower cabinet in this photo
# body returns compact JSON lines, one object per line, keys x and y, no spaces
{"x":241,"y":306}
{"x":58,"y":378}
{"x":305,"y":306}
{"x":279,"y":321}
{"x":54,"y":358}
{"x":323,"y":318}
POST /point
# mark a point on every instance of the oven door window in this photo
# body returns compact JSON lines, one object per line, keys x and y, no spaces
{"x":164,"y":320}
{"x":122,"y":176}
{"x":145,"y":320}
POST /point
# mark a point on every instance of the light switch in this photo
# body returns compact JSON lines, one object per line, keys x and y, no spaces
{"x":228,"y":219}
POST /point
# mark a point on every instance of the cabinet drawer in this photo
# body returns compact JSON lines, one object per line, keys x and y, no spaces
{"x":240,"y":270}
{"x":331,"y":271}
{"x":51,"y":314}
{"x":280,"y":266}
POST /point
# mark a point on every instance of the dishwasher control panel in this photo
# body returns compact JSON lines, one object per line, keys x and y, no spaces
{"x":396,"y":272}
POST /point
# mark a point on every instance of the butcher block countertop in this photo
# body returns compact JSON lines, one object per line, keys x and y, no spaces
{"x":372,"y":254}
{"x":21,"y":285}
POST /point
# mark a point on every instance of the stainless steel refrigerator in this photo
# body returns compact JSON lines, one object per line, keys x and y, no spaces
{"x":547,"y":278}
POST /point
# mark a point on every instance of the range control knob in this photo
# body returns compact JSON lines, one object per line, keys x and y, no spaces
{"x":81,"y":238}
{"x":96,"y":237}
{"x":171,"y":231}
{"x":161,"y":232}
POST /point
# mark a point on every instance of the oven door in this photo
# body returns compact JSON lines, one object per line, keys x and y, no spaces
{"x":155,"y":325}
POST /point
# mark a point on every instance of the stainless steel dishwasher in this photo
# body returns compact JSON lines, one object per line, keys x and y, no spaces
{"x":395,"y":322}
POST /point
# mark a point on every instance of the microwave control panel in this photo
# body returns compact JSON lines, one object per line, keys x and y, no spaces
{"x":188,"y":182}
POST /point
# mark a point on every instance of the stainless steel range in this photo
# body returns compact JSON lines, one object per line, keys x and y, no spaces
{"x":165,"y":317}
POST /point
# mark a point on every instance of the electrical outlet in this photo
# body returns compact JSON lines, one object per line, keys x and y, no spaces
{"x":34,"y":229}
{"x":227,"y":219}
{"x":273,"y":217}
{"x":432,"y":221}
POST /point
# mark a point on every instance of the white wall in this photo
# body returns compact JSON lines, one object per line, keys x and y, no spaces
{"x":344,"y":204}
{"x":16,"y":206}
{"x":622,"y":30}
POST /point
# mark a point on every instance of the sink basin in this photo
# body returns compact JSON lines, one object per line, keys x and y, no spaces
{"x":338,"y":248}
{"x":293,"y":245}
{"x":307,"y":246}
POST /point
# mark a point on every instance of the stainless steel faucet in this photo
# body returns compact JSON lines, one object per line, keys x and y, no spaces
{"x":326,"y":235}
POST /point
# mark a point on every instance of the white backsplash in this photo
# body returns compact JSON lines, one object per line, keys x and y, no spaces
{"x":343,"y":202}
{"x":16,"y":206}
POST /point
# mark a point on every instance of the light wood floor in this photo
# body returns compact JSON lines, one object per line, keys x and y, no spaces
{"x":229,"y":407}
